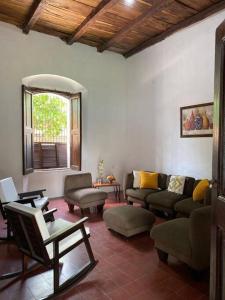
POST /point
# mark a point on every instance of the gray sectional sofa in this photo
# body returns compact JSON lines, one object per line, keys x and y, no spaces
{"x":171,"y":204}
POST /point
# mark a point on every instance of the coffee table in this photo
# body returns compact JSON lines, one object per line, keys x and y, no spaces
{"x":115,"y":185}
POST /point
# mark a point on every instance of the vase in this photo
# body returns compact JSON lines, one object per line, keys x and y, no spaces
{"x":198,"y":121}
{"x":205,"y":121}
{"x":192,"y":121}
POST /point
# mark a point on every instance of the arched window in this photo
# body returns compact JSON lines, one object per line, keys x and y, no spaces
{"x":51,"y":129}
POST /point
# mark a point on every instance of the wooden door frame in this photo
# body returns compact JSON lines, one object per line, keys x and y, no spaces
{"x":217,"y":172}
{"x":69,"y":96}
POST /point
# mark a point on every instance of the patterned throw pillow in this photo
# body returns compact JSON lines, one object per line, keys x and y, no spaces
{"x":176,"y":184}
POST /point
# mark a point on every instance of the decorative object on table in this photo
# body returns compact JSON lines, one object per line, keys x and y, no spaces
{"x":100,"y":171}
{"x":79,"y":191}
{"x":196,"y":120}
{"x":110,"y":178}
{"x":115,"y":185}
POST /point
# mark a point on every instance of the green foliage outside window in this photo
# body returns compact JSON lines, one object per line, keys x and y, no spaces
{"x":49,"y":115}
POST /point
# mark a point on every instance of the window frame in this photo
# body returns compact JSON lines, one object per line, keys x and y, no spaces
{"x":71,"y":97}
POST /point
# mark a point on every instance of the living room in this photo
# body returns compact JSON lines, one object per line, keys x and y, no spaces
{"x":130,"y":119}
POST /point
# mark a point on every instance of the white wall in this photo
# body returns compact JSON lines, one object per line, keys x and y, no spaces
{"x":104,"y":108}
{"x":176,"y":72}
{"x":131,"y":112}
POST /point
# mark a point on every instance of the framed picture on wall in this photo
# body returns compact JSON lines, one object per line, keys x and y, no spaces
{"x":196,"y":120}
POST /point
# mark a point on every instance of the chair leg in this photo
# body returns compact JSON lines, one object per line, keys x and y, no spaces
{"x":100,"y":208}
{"x":196,"y":275}
{"x":87,"y":245}
{"x":163,"y":256}
{"x":56,"y":267}
{"x":56,"y":277}
{"x":14,"y":274}
{"x":71,"y":207}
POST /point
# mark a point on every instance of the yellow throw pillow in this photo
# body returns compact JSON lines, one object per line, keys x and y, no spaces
{"x":148,"y":180}
{"x":200,"y":189}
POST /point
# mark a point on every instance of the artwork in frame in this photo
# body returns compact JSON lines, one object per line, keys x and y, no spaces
{"x":196,"y":120}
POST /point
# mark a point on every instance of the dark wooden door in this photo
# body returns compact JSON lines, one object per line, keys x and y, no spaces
{"x":27,"y":131}
{"x":217,"y":268}
{"x":76,"y":130}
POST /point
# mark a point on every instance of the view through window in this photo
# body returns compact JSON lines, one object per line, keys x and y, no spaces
{"x":51,"y":131}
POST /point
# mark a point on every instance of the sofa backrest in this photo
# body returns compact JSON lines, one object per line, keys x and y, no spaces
{"x":77,"y":181}
{"x":189,"y":186}
{"x":162,"y":180}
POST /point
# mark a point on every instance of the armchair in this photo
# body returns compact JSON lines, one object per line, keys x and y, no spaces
{"x":47,"y":243}
{"x":188,"y":239}
{"x":78,"y":190}
{"x":9,"y":194}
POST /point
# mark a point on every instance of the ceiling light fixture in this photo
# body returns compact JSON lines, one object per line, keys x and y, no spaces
{"x":129,"y":2}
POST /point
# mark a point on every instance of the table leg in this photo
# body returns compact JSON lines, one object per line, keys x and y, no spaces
{"x":119,"y":193}
{"x":115,"y":191}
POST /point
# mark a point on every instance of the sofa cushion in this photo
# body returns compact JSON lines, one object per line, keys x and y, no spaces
{"x":164,"y":199}
{"x":128,"y":220}
{"x":140,"y":194}
{"x":186,"y":206}
{"x":200,"y":190}
{"x":87,"y":195}
{"x":171,"y":237}
{"x":149,"y":180}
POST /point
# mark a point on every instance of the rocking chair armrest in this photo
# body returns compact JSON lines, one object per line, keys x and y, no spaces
{"x":27,"y":201}
{"x":27,"y":194}
{"x":23,"y":201}
{"x":61,"y":234}
{"x":49,"y":213}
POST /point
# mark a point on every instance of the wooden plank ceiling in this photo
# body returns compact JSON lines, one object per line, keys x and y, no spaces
{"x":123,"y":26}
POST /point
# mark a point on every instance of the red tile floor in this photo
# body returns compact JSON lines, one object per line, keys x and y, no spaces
{"x":127,"y":269}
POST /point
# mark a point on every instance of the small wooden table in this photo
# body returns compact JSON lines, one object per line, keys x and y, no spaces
{"x":115,"y":185}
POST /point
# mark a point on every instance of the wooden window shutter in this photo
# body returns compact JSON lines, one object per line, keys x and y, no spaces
{"x":75,"y":154}
{"x":27,"y":131}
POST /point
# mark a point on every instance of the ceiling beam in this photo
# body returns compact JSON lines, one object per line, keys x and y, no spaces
{"x":156,"y":7}
{"x":103,"y":6}
{"x":33,"y":15}
{"x":181,"y":25}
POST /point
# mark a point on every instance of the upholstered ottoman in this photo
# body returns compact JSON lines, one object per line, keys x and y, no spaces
{"x":128,"y":220}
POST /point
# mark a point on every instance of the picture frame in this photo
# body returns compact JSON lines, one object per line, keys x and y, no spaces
{"x":196,"y":120}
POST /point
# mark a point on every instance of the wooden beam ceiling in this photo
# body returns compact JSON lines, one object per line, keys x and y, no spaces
{"x":112,"y":23}
{"x":34,"y":14}
{"x":181,"y":25}
{"x":103,"y":6}
{"x":156,"y":7}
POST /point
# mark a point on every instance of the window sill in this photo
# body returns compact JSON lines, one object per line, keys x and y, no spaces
{"x":51,"y":170}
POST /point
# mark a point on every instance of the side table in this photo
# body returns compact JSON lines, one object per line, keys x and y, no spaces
{"x":115,"y":185}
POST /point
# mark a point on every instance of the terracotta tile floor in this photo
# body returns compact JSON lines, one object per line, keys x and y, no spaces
{"x":127,"y":269}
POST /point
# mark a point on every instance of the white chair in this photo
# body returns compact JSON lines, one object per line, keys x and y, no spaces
{"x":45,"y":242}
{"x":9,"y":194}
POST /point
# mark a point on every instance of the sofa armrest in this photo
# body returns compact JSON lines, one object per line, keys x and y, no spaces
{"x":208,"y":197}
{"x":199,"y":234}
{"x":128,"y":183}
